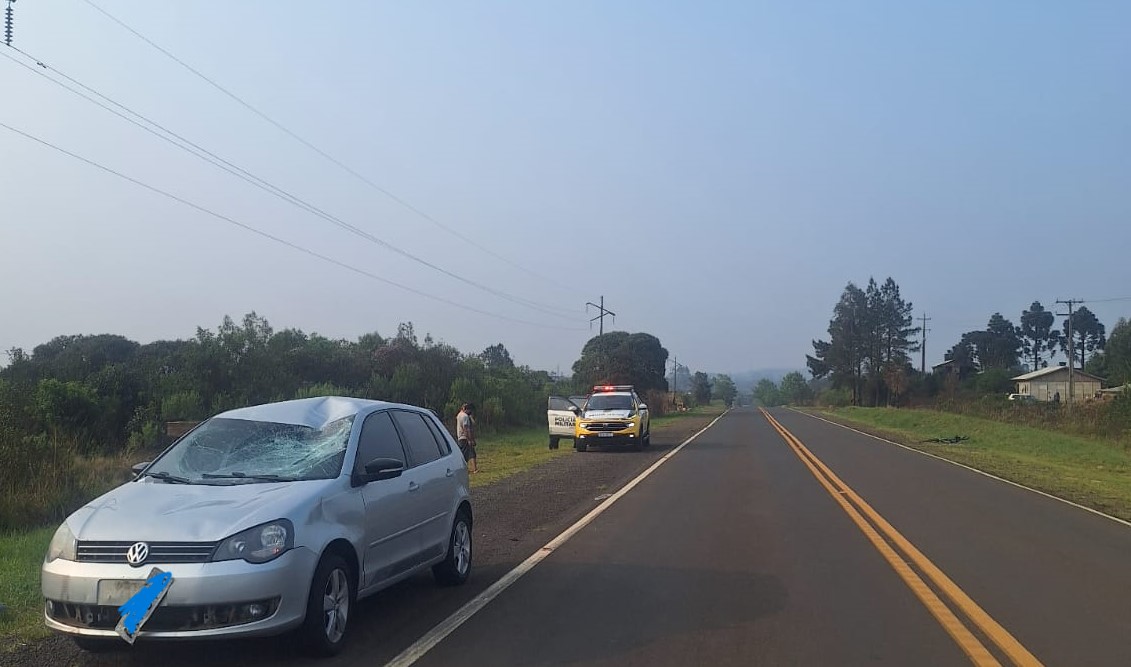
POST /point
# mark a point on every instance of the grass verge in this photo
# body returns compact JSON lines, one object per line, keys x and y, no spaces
{"x":21,"y":554}
{"x":1088,"y":471}
{"x":500,"y":455}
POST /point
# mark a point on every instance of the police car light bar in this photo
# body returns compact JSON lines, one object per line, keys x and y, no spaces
{"x":613,"y":387}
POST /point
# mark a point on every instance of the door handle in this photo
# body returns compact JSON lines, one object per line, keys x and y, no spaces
{"x":412,"y":486}
{"x":449,"y":473}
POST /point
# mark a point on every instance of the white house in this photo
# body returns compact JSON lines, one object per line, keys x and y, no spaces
{"x":1046,"y":383}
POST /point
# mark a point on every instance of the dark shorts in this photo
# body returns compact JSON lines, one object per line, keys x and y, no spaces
{"x":467,"y":449}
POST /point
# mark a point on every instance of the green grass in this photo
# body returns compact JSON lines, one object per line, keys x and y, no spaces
{"x":714,"y":409}
{"x":504,"y":454}
{"x":21,"y":554}
{"x":1088,"y":471}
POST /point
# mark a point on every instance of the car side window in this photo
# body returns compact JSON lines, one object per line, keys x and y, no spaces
{"x":442,"y":442}
{"x":379,"y":439}
{"x":418,"y":439}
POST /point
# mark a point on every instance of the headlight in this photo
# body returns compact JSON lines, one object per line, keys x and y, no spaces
{"x":259,"y":544}
{"x":62,"y":545}
{"x":630,"y":424}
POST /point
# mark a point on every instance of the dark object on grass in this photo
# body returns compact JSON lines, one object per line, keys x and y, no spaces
{"x":948,"y":441}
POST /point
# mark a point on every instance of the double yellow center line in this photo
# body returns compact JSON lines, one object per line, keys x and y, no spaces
{"x":887,"y":540}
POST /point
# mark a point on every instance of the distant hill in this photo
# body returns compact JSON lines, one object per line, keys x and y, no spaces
{"x":746,"y":380}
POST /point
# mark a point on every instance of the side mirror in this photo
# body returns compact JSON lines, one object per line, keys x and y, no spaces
{"x":643,"y":406}
{"x":138,"y":467}
{"x":379,"y":469}
{"x":574,"y":409}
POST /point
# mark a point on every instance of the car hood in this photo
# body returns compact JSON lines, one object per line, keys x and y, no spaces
{"x":608,"y":414}
{"x":158,"y":511}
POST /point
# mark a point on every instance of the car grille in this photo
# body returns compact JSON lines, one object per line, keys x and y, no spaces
{"x":159,"y":552}
{"x":605,"y":426}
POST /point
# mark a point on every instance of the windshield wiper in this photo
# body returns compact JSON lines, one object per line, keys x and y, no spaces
{"x":167,"y":477}
{"x":242,"y":475}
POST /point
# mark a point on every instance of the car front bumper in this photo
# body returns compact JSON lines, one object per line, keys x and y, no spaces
{"x":620,"y":438}
{"x":205,"y":600}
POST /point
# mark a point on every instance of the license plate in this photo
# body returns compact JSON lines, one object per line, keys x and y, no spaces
{"x":139,"y":607}
{"x":115,"y":592}
{"x":605,"y":435}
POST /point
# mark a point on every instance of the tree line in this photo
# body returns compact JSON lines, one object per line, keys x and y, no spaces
{"x":871,"y":339}
{"x":77,"y":398}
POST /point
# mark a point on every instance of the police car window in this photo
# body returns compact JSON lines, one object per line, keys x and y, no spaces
{"x":418,"y":439}
{"x":379,"y":440}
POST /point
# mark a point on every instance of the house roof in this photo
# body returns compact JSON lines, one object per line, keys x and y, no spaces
{"x":1053,"y":369}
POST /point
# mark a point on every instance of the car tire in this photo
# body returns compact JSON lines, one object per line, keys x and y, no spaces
{"x":456,"y":566}
{"x":333,"y":586}
{"x":554,"y":441}
{"x":579,"y":445}
{"x":648,"y":438}
{"x":98,"y":645}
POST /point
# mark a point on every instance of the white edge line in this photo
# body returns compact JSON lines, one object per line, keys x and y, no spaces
{"x":461,"y":615}
{"x":962,"y":465}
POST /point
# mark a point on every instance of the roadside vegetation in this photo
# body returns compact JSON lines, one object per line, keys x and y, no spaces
{"x":1091,"y":471}
{"x":78,"y":411}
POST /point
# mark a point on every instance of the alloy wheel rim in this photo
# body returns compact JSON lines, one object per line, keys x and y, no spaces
{"x":336,"y":605}
{"x":462,"y":548}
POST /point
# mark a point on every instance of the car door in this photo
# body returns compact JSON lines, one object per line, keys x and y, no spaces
{"x":391,"y":540}
{"x":431,"y":481}
{"x":560,"y":417}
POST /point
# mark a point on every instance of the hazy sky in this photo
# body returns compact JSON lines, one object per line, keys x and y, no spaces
{"x":717,"y":170}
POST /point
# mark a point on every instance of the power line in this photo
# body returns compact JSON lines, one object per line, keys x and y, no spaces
{"x":272,"y":237}
{"x":321,"y":152}
{"x":258,"y":182}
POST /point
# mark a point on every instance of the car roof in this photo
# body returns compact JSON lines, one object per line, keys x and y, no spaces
{"x":313,"y":412}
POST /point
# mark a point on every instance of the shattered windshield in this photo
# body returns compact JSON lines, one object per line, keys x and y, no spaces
{"x":237,"y":451}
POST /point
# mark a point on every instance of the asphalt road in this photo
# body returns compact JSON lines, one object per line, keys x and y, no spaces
{"x":734,"y":553}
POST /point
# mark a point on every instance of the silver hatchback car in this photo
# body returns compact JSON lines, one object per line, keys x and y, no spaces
{"x":261,"y":521}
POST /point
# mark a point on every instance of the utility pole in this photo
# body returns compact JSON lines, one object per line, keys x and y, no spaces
{"x":602,"y":313}
{"x":8,"y":23}
{"x":923,"y":362}
{"x":1071,"y":349}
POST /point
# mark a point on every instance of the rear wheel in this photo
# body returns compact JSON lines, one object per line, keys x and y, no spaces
{"x":456,"y":567}
{"x":554,"y":441}
{"x":329,"y":606}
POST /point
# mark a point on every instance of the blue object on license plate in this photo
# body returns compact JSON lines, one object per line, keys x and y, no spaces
{"x":137,"y":610}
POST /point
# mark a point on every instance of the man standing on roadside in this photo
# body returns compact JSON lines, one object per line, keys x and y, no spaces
{"x":465,"y":435}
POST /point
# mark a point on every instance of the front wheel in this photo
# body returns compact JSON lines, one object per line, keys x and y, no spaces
{"x":456,"y":567}
{"x":579,"y":445}
{"x":329,"y":606}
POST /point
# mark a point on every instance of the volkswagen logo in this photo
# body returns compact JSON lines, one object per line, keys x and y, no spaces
{"x":137,"y":554}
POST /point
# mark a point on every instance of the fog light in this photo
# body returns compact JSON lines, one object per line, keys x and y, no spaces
{"x":256,"y":610}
